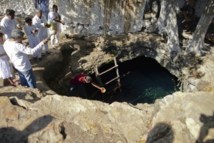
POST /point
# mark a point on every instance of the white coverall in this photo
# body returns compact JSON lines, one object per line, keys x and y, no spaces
{"x":7,"y":26}
{"x":55,"y":27}
{"x":42,"y":33}
{"x":32,"y":38}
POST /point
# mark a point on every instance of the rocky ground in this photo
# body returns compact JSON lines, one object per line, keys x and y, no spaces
{"x":32,"y":115}
{"x":179,"y":118}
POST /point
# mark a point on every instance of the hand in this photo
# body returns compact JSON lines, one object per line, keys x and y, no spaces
{"x":47,"y":25}
{"x":102,"y":90}
{"x":62,"y":22}
{"x":18,"y":26}
{"x":34,"y":31}
{"x":46,"y":40}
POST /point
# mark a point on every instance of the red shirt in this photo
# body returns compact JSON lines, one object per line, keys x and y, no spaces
{"x":78,"y":79}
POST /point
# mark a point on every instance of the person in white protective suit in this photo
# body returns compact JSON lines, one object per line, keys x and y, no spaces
{"x":8,"y":23}
{"x":32,"y":34}
{"x":54,"y":19}
{"x":43,"y":5}
{"x":40,"y":22}
{"x":5,"y":68}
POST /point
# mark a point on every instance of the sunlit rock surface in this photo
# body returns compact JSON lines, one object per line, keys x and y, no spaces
{"x":33,"y":116}
{"x":87,"y":16}
{"x":94,"y":16}
{"x":182,"y":117}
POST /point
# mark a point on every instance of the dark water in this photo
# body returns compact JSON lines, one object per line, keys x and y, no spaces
{"x":143,"y":81}
{"x":143,"y":87}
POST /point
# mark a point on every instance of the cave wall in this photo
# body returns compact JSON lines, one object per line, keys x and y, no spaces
{"x":20,"y":6}
{"x":95,"y":16}
{"x":101,"y":16}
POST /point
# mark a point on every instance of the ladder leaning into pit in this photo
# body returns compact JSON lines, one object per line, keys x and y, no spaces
{"x":115,"y":67}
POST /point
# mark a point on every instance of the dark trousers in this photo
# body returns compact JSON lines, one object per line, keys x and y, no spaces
{"x":27,"y":78}
{"x":77,"y":90}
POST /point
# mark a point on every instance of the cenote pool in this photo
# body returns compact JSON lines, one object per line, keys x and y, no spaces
{"x":143,"y":80}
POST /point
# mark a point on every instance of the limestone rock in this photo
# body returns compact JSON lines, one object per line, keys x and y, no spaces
{"x":179,"y":117}
{"x":94,"y":16}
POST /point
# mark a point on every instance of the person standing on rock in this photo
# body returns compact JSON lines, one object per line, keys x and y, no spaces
{"x":8,"y":23}
{"x":43,"y":5}
{"x":40,"y":22}
{"x":55,"y":20}
{"x":18,"y":54}
{"x":5,"y":70}
{"x":32,"y":34}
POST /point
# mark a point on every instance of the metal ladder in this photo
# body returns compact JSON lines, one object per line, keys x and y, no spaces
{"x":98,"y":75}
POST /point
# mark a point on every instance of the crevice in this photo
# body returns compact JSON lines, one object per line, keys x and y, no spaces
{"x":161,"y":132}
{"x":15,"y":102}
{"x":62,"y":131}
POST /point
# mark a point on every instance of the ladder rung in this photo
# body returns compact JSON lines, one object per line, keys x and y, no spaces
{"x":108,"y":70}
{"x":112,"y":80}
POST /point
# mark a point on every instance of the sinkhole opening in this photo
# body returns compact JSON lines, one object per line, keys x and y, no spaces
{"x":142,"y":80}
